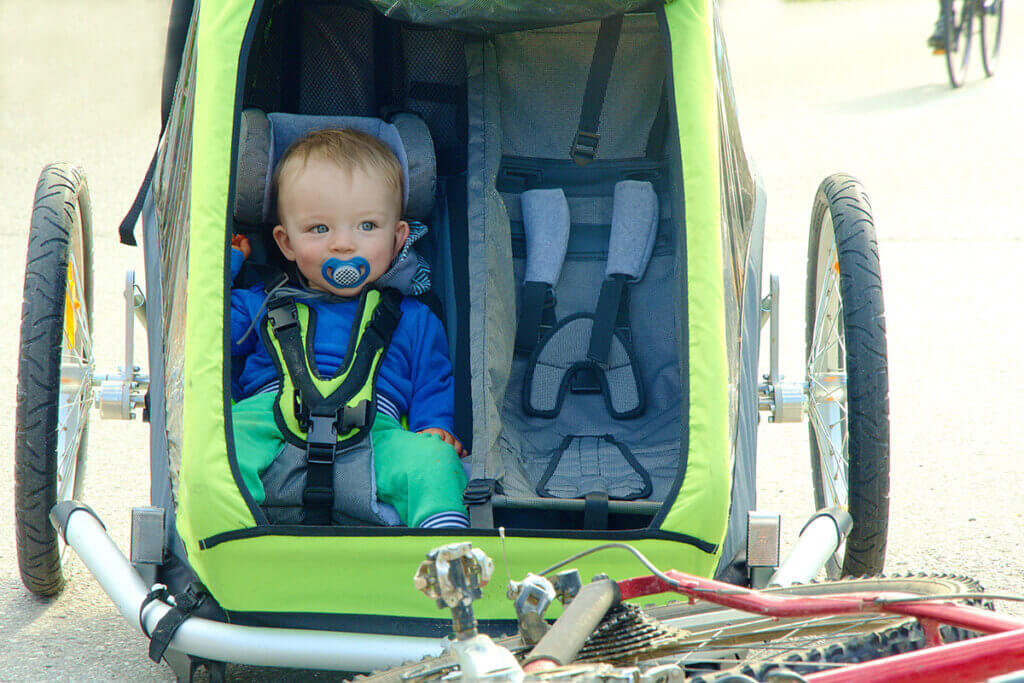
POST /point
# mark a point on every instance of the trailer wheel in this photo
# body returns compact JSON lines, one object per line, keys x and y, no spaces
{"x":55,"y":368}
{"x":848,"y":372}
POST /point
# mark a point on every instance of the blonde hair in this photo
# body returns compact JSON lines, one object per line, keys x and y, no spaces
{"x":350,"y":150}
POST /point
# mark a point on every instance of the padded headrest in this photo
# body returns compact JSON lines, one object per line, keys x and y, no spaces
{"x":263,"y":138}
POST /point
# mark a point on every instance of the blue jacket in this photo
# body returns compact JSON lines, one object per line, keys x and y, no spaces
{"x":415,"y":375}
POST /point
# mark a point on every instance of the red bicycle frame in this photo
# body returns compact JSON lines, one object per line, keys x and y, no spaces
{"x":1000,"y":651}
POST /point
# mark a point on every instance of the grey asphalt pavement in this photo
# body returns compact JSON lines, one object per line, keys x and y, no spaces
{"x":822,"y":87}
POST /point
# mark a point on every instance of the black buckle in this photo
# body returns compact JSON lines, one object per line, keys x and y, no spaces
{"x":355,"y":416}
{"x":479,"y":491}
{"x":584,"y":147}
{"x":283,"y":317}
{"x":321,"y":440}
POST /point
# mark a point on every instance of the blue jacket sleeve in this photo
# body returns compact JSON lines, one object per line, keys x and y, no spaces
{"x":241,"y":319}
{"x":433,"y":389}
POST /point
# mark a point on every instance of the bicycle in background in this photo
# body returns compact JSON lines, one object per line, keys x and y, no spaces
{"x":955,"y":32}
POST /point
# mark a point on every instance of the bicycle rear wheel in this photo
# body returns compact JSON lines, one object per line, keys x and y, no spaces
{"x":959,"y":18}
{"x":991,"y":33}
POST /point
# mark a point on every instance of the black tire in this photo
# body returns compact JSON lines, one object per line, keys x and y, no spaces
{"x":842,"y":216}
{"x":60,"y":242}
{"x":717,"y":638}
{"x":959,"y":17}
{"x":991,"y":34}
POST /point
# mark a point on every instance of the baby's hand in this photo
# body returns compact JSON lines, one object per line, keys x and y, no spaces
{"x":447,"y":438}
{"x":241,"y":243}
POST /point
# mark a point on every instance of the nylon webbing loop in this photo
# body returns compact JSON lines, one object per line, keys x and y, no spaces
{"x":182,"y":607}
{"x":584,"y":144}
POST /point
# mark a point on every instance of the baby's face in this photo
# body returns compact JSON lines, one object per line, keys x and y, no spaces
{"x":328,"y":211}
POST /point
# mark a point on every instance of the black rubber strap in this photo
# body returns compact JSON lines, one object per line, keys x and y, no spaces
{"x":584,"y":145}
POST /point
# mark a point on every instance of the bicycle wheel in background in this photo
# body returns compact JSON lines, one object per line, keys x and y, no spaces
{"x":959,"y":17}
{"x":991,"y":33}
{"x":848,"y":372}
{"x":55,"y":368}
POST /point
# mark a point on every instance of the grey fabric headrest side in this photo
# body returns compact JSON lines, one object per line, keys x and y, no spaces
{"x":264,"y":138}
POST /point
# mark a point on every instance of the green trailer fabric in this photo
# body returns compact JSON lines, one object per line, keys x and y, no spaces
{"x":251,"y":568}
{"x":209,"y":498}
{"x":701,"y":508}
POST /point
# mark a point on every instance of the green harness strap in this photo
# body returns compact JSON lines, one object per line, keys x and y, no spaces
{"x":327,"y":415}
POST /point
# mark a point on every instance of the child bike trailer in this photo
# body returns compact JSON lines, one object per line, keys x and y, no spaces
{"x":595,"y":237}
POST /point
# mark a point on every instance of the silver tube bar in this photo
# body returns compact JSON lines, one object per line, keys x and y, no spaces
{"x":214,"y":640}
{"x":818,"y":541}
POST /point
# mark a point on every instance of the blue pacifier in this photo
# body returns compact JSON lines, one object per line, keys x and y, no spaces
{"x":346,"y":274}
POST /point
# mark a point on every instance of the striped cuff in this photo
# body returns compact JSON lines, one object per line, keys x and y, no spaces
{"x":446,"y":520}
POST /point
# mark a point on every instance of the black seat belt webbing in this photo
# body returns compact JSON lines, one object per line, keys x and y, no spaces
{"x":477,"y":499}
{"x":595,"y":511}
{"x":584,"y":145}
{"x":607,"y":317}
{"x":537,"y":300}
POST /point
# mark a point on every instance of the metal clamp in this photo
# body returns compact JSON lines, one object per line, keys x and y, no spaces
{"x":117,"y":395}
{"x":784,"y":400}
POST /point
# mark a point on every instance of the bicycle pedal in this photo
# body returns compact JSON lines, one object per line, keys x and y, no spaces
{"x":939,"y":51}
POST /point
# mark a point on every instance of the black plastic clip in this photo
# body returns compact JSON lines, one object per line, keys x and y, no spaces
{"x":355,"y":416}
{"x":321,"y":440}
{"x":283,"y":317}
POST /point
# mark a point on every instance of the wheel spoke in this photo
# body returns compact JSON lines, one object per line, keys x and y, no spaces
{"x":823,"y":300}
{"x":833,"y":458}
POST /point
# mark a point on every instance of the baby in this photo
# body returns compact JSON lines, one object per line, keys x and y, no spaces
{"x":339,"y":202}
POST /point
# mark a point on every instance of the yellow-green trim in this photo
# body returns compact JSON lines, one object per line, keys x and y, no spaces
{"x":373,"y":575}
{"x":209,"y":500}
{"x":701,"y":508}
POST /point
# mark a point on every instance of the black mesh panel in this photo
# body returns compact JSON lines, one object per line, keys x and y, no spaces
{"x":435,"y":88}
{"x":337,"y":61}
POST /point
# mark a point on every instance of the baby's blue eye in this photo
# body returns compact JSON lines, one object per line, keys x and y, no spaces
{"x":367,"y":226}
{"x":320,"y":229}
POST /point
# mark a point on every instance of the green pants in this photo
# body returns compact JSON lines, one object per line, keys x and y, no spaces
{"x":417,"y":474}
